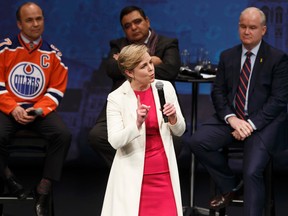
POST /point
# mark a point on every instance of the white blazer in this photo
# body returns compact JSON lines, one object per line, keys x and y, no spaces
{"x":123,"y":190}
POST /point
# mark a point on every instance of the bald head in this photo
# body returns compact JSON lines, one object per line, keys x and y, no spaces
{"x":19,"y":10}
{"x":253,"y":11}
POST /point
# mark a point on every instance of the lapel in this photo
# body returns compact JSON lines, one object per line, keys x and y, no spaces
{"x":258,"y":65}
{"x":130,"y":102}
{"x":236,"y":65}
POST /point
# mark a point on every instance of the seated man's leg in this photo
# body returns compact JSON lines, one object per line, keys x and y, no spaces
{"x":6,"y":122}
{"x":59,"y":136}
{"x":256,"y":158}
{"x":8,"y":127}
{"x":56,"y":132}
{"x":205,"y":144}
{"x":98,"y":139}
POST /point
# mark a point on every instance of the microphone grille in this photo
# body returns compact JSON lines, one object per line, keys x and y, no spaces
{"x":39,"y":111}
{"x":159,"y":85}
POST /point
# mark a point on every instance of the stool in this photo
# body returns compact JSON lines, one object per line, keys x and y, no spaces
{"x":235,"y":151}
{"x":25,"y":144}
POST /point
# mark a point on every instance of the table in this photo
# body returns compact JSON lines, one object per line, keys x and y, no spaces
{"x":195,"y":81}
{"x":195,"y":91}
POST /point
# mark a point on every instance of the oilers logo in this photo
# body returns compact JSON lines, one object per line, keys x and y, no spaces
{"x":26,"y":80}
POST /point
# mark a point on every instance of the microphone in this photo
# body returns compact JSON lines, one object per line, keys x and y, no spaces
{"x":36,"y":112}
{"x":159,"y":87}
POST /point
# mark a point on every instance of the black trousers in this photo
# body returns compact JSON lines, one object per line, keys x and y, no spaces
{"x":51,"y":128}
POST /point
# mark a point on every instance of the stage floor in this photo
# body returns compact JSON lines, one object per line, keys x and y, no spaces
{"x":83,"y":184}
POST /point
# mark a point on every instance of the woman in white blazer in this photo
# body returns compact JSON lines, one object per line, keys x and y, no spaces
{"x":129,"y":190}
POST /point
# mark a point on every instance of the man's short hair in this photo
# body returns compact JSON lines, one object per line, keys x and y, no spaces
{"x":18,"y":16}
{"x":130,"y":9}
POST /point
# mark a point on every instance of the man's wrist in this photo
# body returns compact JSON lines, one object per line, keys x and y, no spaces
{"x":252,"y":124}
{"x":228,"y":116}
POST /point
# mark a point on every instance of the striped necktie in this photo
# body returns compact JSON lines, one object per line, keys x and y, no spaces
{"x":240,"y":99}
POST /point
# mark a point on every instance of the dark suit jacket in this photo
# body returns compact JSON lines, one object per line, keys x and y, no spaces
{"x":268,"y":91}
{"x":166,"y":49}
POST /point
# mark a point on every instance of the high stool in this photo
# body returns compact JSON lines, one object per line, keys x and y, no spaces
{"x":25,"y":144}
{"x":235,"y":152}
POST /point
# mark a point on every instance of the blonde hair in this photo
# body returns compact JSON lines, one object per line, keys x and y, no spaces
{"x":130,"y":57}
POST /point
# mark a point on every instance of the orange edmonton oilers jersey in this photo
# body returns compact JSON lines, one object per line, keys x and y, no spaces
{"x":34,"y":77}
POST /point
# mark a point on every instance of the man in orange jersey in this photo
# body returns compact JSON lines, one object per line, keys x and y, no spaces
{"x":33,"y":80}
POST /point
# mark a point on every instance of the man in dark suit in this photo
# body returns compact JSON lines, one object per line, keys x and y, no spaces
{"x":257,"y":125}
{"x":165,"y":56}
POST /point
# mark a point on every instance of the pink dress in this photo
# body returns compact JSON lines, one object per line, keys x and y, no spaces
{"x":157,"y":197}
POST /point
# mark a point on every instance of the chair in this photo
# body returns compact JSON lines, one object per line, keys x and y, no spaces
{"x":235,"y":152}
{"x":25,"y":144}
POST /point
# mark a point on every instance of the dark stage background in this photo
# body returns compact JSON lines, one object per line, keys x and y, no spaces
{"x":81,"y":29}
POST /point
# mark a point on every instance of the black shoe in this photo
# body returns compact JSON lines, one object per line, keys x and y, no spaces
{"x":222,"y":200}
{"x":41,"y":203}
{"x":15,"y":188}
